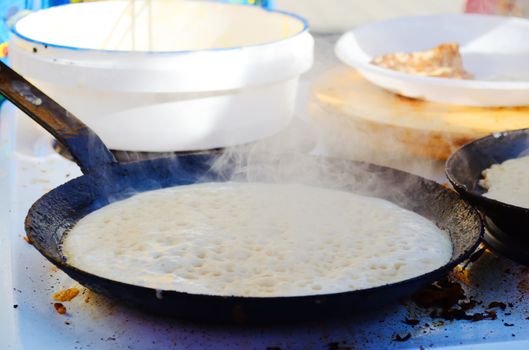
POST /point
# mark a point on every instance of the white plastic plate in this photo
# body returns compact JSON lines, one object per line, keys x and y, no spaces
{"x":494,"y":49}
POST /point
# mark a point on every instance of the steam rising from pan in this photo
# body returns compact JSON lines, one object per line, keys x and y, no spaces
{"x":286,"y":158}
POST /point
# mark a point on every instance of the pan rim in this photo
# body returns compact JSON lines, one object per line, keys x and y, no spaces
{"x":472,"y":193}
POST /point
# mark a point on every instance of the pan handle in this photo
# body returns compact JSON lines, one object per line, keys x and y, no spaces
{"x":87,"y":149}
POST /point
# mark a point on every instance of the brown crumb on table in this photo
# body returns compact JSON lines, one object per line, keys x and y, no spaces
{"x":411,"y":321}
{"x":443,"y":61}
{"x":442,"y":294}
{"x":338,"y":346}
{"x":497,"y":304}
{"x":467,"y":305}
{"x":398,"y":337}
{"x":66,"y":294}
{"x":487,"y":315}
{"x":446,"y":300}
{"x":523,"y":286}
{"x":60,"y":308}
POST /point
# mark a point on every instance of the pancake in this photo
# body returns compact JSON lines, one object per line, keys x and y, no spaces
{"x":255,"y":239}
{"x":508,"y":182}
{"x":443,"y":61}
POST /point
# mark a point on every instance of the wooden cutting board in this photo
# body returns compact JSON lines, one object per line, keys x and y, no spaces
{"x":342,"y":98}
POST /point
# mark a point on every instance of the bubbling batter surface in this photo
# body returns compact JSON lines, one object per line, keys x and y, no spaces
{"x":508,"y":182}
{"x":253,"y":239}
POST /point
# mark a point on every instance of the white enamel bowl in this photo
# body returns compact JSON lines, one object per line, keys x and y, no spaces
{"x":190,"y":75}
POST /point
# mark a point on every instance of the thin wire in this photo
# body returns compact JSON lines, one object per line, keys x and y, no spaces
{"x":109,"y":36}
{"x":133,"y":23}
{"x":149,"y":19}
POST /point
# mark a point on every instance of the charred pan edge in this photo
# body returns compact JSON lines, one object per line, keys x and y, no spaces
{"x":464,"y":170}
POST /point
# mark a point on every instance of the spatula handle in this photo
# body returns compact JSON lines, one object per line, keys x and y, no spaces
{"x":87,"y":149}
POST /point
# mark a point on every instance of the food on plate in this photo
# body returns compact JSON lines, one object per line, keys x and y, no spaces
{"x":443,"y":61}
{"x":255,"y":239}
{"x":508,"y":182}
{"x":66,"y":294}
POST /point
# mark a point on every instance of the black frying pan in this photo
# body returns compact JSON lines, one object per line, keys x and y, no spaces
{"x":59,"y":210}
{"x":509,"y":223}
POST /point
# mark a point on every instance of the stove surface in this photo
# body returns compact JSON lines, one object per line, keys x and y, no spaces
{"x":29,"y":167}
